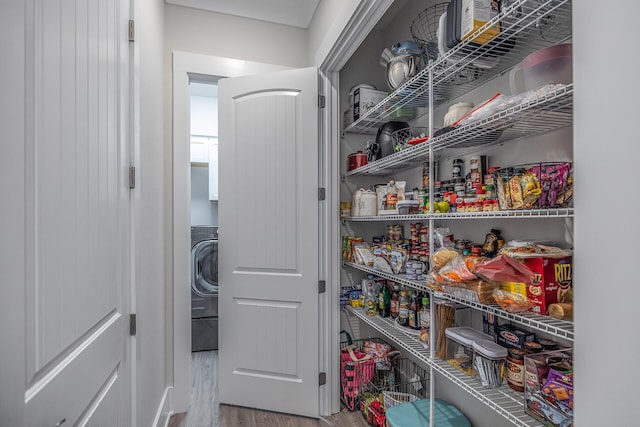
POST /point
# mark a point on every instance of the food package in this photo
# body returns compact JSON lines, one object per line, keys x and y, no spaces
{"x":561,"y":311}
{"x":525,"y":249}
{"x":480,"y":291}
{"x":363,"y":254}
{"x":454,"y":271}
{"x":441,"y":257}
{"x":530,"y":189}
{"x":347,"y":247}
{"x":503,"y":268}
{"x":511,"y":302}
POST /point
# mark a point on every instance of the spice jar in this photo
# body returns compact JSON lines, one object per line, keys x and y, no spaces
{"x":515,"y":369}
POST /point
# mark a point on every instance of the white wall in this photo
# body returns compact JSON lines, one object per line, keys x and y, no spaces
{"x":203,"y":210}
{"x":149,"y":221}
{"x":606,"y":156}
{"x":330,"y":18}
{"x":215,"y":34}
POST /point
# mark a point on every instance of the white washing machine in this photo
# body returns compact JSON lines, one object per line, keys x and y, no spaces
{"x":204,"y":288}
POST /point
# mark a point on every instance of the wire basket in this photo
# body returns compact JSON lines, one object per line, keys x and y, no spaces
{"x":407,"y":137}
{"x":535,"y":186}
{"x":424,"y":30}
{"x":407,"y":382}
{"x":361,"y":374}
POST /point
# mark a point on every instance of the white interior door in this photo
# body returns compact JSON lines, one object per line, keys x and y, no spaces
{"x":268,"y":259}
{"x":73,"y":325}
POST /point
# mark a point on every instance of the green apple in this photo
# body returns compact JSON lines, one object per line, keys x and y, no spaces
{"x":443,"y":207}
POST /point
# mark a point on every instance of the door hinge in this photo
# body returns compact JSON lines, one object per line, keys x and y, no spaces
{"x":132,"y":177}
{"x":322,"y":286}
{"x":321,"y":101}
{"x":322,"y":378}
{"x":132,"y":324}
{"x":322,"y":193}
{"x":132,"y":30}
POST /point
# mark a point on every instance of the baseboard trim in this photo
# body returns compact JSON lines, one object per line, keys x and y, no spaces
{"x":163,"y":413}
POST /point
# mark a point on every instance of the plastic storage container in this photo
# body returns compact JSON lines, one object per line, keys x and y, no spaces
{"x":406,"y":207}
{"x":489,"y":360}
{"x":417,"y":414}
{"x":460,"y":347}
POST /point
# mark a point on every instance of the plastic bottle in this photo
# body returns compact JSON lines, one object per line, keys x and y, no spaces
{"x":395,"y":301}
{"x":371,"y":298}
{"x":403,"y":311}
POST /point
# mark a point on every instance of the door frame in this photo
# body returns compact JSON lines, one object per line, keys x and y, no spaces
{"x":185,"y":65}
{"x":344,"y":38}
{"x":346,"y":41}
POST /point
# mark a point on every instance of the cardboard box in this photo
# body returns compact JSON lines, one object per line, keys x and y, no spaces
{"x":365,"y":99}
{"x":550,"y":277}
{"x":516,"y":288}
{"x":511,"y":337}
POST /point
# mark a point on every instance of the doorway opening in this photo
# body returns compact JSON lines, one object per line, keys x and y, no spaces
{"x":203,"y":148}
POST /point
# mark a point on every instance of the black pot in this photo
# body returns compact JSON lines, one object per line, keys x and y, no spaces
{"x":383,"y":138}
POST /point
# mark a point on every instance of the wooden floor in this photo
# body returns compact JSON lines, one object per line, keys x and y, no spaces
{"x":206,"y":411}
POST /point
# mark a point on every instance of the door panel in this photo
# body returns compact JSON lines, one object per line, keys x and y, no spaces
{"x":268,"y":213}
{"x":77,"y":225}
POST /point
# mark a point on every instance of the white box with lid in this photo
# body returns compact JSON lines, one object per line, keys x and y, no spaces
{"x":460,"y":347}
{"x":489,"y":360}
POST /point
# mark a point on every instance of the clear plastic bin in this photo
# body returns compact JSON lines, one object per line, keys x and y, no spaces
{"x":489,"y":360}
{"x":460,"y":347}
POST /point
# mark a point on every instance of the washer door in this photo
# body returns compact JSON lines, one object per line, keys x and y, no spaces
{"x":204,"y":271}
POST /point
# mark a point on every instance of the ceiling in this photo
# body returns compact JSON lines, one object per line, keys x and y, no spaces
{"x":296,"y":13}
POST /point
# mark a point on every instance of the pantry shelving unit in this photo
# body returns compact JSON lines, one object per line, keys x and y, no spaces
{"x":525,"y":27}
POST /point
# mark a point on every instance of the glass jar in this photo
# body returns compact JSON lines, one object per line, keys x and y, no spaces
{"x":515,"y":369}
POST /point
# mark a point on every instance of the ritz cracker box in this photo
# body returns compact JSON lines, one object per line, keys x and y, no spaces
{"x":551,"y":276}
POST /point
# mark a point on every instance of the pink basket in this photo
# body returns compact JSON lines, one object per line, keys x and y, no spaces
{"x":356,"y":370}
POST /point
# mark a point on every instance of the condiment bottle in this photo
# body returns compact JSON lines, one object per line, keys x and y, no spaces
{"x":403,"y":310}
{"x":515,"y":369}
{"x":413,"y":312}
{"x":395,"y":301}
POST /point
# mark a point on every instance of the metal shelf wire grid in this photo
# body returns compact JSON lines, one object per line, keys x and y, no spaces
{"x":558,"y":328}
{"x":532,"y":213}
{"x":385,"y":326}
{"x":549,"y":111}
{"x":503,"y":400}
{"x":525,"y":27}
{"x":421,"y":286}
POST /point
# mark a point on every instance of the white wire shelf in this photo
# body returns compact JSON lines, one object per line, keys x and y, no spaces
{"x":558,"y":328}
{"x":547,"y":112}
{"x":419,"y":285}
{"x":525,"y":27}
{"x":503,"y":400}
{"x":405,"y":340}
{"x":514,"y":214}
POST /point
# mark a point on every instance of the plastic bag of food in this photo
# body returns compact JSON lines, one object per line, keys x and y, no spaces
{"x":497,"y":102}
{"x":511,"y":302}
{"x":503,"y":268}
{"x":398,"y":260}
{"x":455,"y":271}
{"x":480,"y":291}
{"x":530,"y":189}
